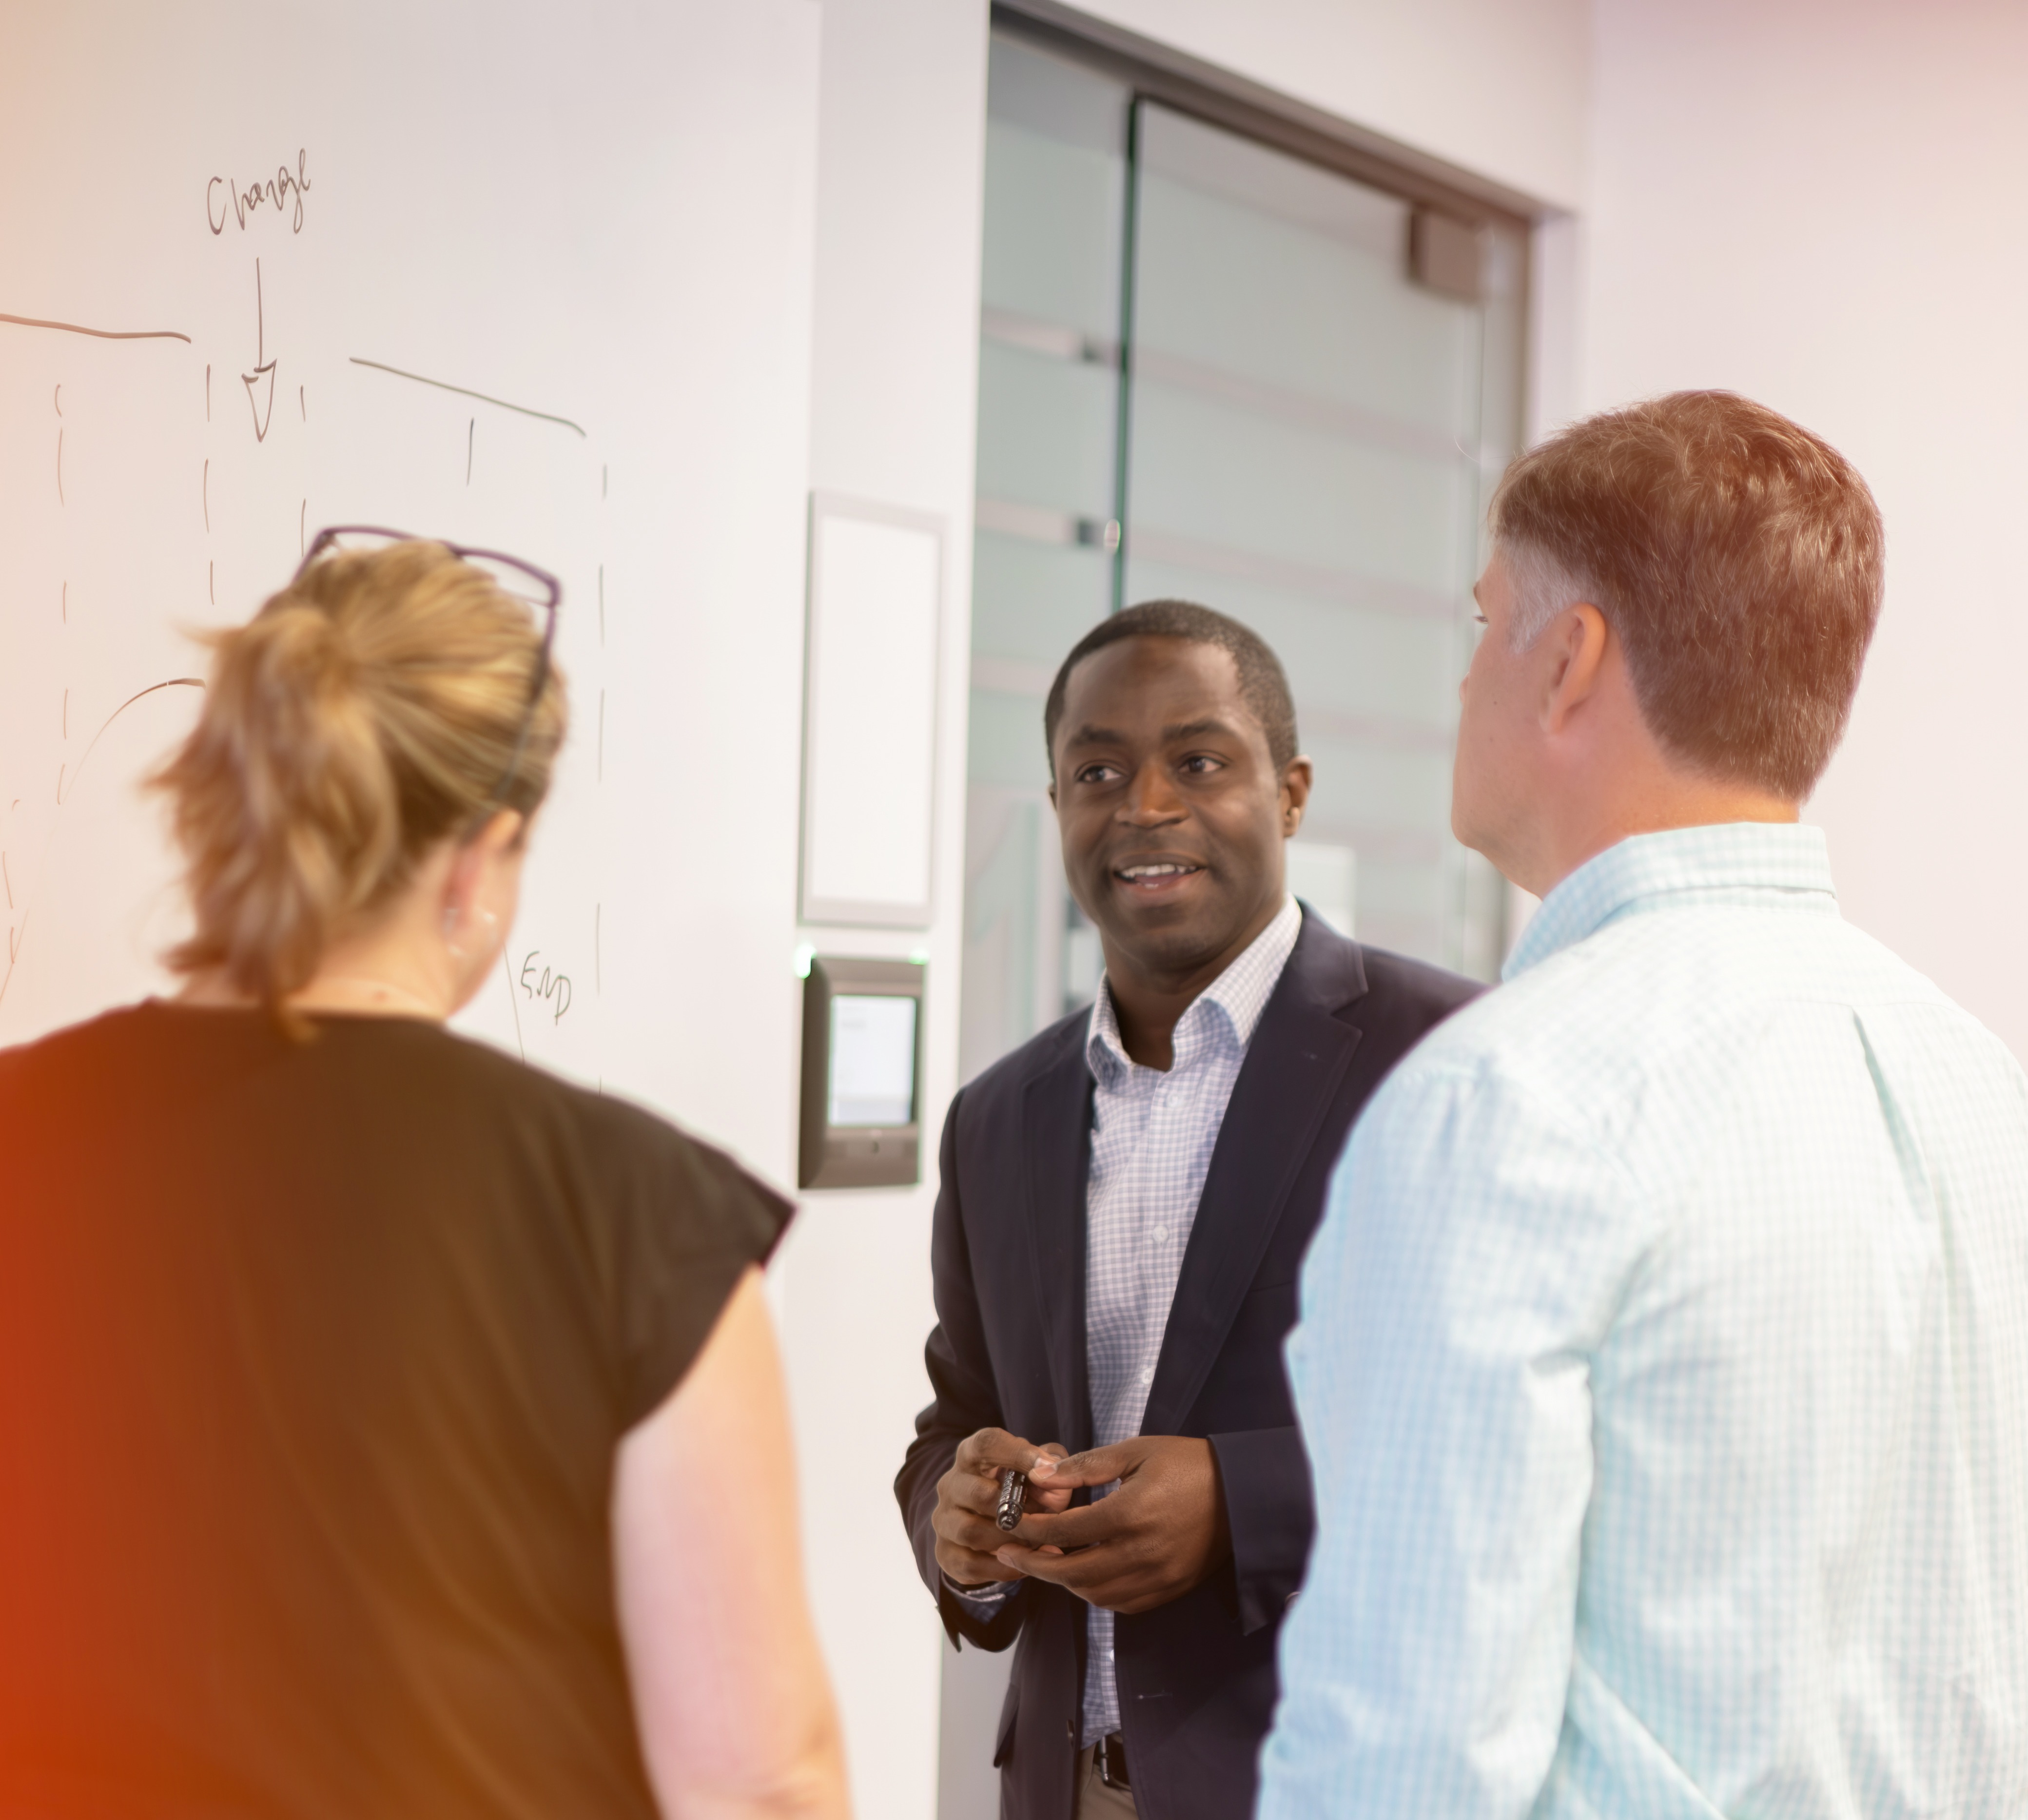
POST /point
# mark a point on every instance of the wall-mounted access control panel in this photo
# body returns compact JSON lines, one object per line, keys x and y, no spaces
{"x":862,"y":1074}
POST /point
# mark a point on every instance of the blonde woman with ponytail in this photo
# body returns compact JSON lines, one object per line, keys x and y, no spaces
{"x":387,"y":1428}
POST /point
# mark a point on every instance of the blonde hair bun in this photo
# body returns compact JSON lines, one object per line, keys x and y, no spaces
{"x":367,"y":713}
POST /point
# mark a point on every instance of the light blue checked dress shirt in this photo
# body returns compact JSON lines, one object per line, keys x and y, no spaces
{"x":1664,"y":1365}
{"x":1152,"y":1134}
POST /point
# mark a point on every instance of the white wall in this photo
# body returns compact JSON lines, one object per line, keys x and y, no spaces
{"x":902,"y":127}
{"x":1820,"y":206}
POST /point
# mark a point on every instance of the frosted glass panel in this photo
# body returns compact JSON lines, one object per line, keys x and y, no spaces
{"x":1013,"y":923}
{"x":1251,"y":478}
{"x":1327,"y":878}
{"x":1269,"y":415}
{"x":1304,"y":424}
{"x":1265,"y":268}
{"x":1055,"y":187}
{"x":1031,"y":602}
{"x":1050,"y":429}
{"x":1044,"y":563}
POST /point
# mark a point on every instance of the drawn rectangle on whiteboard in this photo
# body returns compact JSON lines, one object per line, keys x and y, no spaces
{"x":870,"y":730}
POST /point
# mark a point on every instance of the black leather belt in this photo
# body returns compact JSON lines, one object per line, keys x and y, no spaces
{"x":1111,"y":1757}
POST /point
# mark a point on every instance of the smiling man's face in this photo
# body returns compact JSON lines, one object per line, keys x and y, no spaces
{"x":1171,"y":810}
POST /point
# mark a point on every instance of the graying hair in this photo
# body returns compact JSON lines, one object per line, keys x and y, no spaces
{"x":1542,"y":589}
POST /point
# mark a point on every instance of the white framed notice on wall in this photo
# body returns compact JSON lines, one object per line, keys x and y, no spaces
{"x":870,"y":714}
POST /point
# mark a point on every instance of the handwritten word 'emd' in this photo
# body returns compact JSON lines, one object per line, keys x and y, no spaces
{"x":283,"y":193}
{"x":553,"y":988}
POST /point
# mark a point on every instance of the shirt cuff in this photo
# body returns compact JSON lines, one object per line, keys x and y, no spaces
{"x":982,"y":1601}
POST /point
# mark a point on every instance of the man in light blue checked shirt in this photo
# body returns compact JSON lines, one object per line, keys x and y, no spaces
{"x":1662,"y":1356}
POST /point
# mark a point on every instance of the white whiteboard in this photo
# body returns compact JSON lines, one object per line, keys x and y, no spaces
{"x":527,"y":276}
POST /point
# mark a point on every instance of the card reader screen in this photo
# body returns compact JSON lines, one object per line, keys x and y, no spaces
{"x":872,"y":1059}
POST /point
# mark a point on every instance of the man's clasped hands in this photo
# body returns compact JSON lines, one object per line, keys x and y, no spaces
{"x":1158,"y":1531}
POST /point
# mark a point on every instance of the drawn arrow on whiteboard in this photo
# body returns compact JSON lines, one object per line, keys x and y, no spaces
{"x":261,"y":382}
{"x":260,"y":395}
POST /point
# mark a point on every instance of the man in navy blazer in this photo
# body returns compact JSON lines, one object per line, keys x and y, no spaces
{"x":1125,"y":1203}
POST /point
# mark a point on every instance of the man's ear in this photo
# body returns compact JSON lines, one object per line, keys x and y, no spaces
{"x":1574,"y":645}
{"x":1297,"y":775}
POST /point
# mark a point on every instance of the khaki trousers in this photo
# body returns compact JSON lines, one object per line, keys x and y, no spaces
{"x":1094,"y":1799}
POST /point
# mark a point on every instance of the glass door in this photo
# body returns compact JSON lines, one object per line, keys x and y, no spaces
{"x":1213,"y":371}
{"x":1045,"y":552}
{"x":1310,"y":434}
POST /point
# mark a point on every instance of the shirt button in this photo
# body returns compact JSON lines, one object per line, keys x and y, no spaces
{"x":1159,"y":1233}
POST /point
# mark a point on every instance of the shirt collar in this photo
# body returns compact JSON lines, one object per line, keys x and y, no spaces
{"x":1241,"y":994}
{"x":1770,"y":865}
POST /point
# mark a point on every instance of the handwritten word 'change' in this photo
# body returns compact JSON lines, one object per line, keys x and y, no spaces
{"x":552,"y":988}
{"x":283,"y":193}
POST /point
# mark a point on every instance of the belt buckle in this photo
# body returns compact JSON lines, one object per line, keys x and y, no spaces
{"x":1113,"y":1761}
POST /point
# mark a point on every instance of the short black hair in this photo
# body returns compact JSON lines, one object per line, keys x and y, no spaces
{"x":1263,"y":686}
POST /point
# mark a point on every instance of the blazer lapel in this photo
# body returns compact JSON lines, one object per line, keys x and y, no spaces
{"x":1294,"y":1064}
{"x":1056,"y":1150}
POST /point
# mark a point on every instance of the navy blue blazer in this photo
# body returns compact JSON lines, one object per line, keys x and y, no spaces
{"x":1196,"y":1676}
